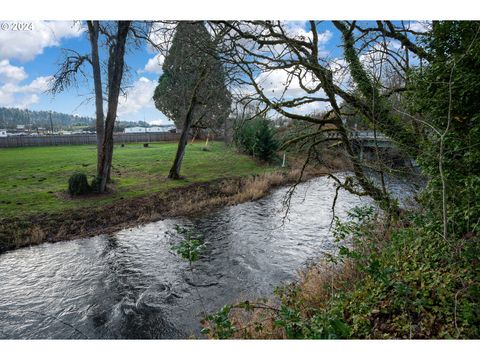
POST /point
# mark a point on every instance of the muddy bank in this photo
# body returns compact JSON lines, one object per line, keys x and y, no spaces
{"x":189,"y":200}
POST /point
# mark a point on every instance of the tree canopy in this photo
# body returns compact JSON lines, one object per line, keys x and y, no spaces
{"x":445,"y":96}
{"x":193,"y":51}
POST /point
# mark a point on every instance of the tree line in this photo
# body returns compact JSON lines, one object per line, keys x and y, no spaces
{"x":11,"y":117}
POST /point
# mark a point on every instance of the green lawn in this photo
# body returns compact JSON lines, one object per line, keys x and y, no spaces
{"x":32,"y":179}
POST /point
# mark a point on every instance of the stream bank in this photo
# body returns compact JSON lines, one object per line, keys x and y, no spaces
{"x":194,"y":199}
{"x":131,"y":284}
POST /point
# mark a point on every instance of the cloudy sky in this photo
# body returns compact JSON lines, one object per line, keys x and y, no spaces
{"x":29,"y":58}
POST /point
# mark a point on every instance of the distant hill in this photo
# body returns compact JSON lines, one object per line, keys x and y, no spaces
{"x":11,"y":117}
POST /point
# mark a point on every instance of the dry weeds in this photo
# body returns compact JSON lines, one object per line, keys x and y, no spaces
{"x":315,"y":286}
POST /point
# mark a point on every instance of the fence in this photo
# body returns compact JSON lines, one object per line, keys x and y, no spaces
{"x":83,"y":139}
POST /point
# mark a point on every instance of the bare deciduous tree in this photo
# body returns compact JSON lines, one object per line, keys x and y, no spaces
{"x":262,"y":48}
{"x":72,"y":66}
{"x":115,"y":74}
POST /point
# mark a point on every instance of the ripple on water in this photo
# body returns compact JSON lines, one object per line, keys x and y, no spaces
{"x":132,"y":285}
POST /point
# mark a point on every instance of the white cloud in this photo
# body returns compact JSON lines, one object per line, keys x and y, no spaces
{"x":27,"y":100}
{"x":160,"y":122}
{"x":274,"y":83}
{"x":154,"y":65}
{"x":139,"y":97}
{"x":6,"y":98}
{"x":25,"y":45}
{"x":38,"y":85}
{"x":297,"y":30}
{"x":421,"y":26}
{"x":161,"y":34}
{"x":11,"y":73}
{"x":21,"y":96}
{"x":341,"y":73}
{"x":278,"y":86}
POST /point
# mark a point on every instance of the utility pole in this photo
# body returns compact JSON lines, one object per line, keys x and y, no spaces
{"x":51,"y":123}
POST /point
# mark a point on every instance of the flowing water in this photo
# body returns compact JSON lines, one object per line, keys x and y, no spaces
{"x":133,"y":285}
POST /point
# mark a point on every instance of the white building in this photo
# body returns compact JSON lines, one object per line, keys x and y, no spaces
{"x":161,"y":128}
{"x":135,"y":129}
{"x":3,"y":133}
{"x":153,"y":129}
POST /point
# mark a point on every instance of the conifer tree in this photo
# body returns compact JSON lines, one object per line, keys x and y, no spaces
{"x":192,"y":90}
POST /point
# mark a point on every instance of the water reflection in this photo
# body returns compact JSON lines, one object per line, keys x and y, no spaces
{"x":132,"y":285}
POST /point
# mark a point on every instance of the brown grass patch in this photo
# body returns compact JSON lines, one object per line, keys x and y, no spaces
{"x":257,"y":187}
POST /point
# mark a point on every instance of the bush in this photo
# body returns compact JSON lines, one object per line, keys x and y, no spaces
{"x":257,"y":138}
{"x":402,"y":282}
{"x":95,"y":187}
{"x":78,"y":184}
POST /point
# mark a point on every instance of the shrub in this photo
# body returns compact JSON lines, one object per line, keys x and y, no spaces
{"x":78,"y":184}
{"x":257,"y":138}
{"x":95,"y":187}
{"x":404,"y":281}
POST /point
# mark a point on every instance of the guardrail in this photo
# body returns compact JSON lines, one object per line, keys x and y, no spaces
{"x":358,"y":135}
{"x":368,"y":135}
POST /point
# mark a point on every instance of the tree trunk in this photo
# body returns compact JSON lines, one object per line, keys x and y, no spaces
{"x":114,"y":82}
{"x":177,"y":163}
{"x":97,"y":80}
{"x":367,"y":185}
{"x":377,"y":110}
{"x":110,"y":71}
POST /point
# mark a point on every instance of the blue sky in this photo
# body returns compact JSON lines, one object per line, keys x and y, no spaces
{"x":29,"y":58}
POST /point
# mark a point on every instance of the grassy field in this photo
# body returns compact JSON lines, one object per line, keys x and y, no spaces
{"x":34,"y":180}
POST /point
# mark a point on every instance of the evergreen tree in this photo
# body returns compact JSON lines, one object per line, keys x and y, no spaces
{"x":192,"y":90}
{"x":257,"y":138}
{"x":192,"y":50}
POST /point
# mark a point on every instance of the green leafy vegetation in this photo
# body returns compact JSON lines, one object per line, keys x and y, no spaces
{"x":190,"y":247}
{"x":417,"y":274}
{"x":78,"y":184}
{"x":192,"y":52}
{"x":401,"y":282}
{"x":446,"y":94}
{"x":256,"y":138}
